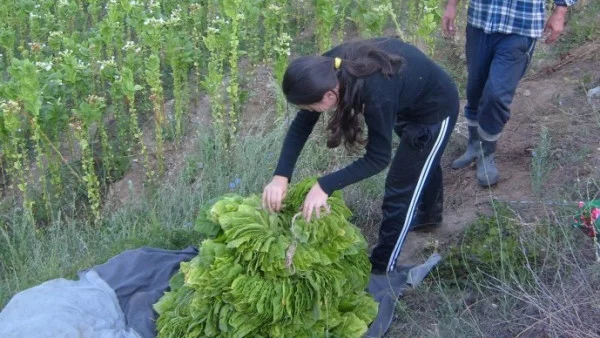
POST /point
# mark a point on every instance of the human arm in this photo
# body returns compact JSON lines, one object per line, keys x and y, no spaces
{"x":556,"y":22}
{"x":380,"y":121}
{"x":299,"y":131}
{"x":449,"y":17}
{"x":379,"y":118}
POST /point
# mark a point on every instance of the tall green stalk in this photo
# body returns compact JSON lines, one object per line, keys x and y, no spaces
{"x":326,"y":18}
{"x":153,"y":78}
{"x":232,"y":9}
{"x":282,"y":51}
{"x":88,"y":115}
{"x":213,"y":81}
{"x":129,"y":88}
{"x":18,"y":168}
{"x":25,"y":75}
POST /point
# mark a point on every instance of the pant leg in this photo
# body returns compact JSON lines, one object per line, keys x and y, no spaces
{"x":512,"y":54}
{"x":414,"y":163}
{"x":433,"y":194}
{"x":431,"y":202}
{"x":479,"y":58}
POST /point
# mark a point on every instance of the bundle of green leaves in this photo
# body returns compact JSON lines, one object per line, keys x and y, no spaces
{"x":267,"y":274}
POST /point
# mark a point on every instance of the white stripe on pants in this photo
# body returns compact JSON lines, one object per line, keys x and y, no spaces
{"x":417,"y":193}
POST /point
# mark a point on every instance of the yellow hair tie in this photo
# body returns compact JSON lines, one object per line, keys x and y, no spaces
{"x":338,"y":63}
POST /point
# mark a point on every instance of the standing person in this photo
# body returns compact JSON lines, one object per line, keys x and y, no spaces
{"x":395,"y":87}
{"x":501,"y":36}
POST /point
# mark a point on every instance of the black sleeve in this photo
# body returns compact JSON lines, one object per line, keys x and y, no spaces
{"x":296,"y":137}
{"x":380,"y":119}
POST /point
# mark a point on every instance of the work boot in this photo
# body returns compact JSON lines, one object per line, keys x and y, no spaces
{"x":472,"y":150}
{"x":487,"y":172}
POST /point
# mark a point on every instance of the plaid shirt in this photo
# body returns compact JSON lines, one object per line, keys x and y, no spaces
{"x":523,"y":17}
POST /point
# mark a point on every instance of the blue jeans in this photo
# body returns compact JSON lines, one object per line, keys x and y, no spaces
{"x":496,"y":63}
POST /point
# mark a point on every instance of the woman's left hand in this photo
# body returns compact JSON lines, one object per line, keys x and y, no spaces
{"x":314,"y":201}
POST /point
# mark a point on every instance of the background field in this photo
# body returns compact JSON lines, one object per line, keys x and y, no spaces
{"x":119,"y":119}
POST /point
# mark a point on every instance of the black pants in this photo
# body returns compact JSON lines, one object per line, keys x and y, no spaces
{"x":415,"y":176}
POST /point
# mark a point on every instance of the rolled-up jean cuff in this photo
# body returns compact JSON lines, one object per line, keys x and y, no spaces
{"x":472,"y":123}
{"x":487,"y":136}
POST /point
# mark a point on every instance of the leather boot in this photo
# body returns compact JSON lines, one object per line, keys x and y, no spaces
{"x":487,"y":172}
{"x":472,"y":150}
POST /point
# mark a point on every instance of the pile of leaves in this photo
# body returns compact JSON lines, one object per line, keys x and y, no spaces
{"x":267,"y":274}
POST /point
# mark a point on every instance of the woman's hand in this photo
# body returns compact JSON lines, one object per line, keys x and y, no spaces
{"x":314,"y":201}
{"x":274,"y":193}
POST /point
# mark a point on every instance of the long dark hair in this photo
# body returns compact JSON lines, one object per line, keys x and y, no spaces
{"x":308,"y":78}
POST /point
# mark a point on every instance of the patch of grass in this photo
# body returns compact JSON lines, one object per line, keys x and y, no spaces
{"x":583,"y":25}
{"x":490,"y":246}
{"x":505,"y":277}
{"x":540,"y":162}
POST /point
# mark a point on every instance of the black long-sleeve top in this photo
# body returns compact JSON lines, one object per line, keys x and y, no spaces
{"x":420,"y":92}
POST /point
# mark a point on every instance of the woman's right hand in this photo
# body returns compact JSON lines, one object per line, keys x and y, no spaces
{"x":274,"y":193}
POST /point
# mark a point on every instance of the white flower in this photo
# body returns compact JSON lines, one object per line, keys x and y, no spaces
{"x":175,"y":17}
{"x":81,"y":65}
{"x":107,"y":63}
{"x":129,"y":45}
{"x":56,"y":34}
{"x":62,"y":3}
{"x":9,"y":106}
{"x":154,"y":22}
{"x":65,"y":53}
{"x":283,"y":44}
{"x":47,"y":66}
{"x":382,"y":8}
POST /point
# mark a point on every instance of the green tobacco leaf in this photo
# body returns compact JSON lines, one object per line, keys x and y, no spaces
{"x":262,"y":276}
